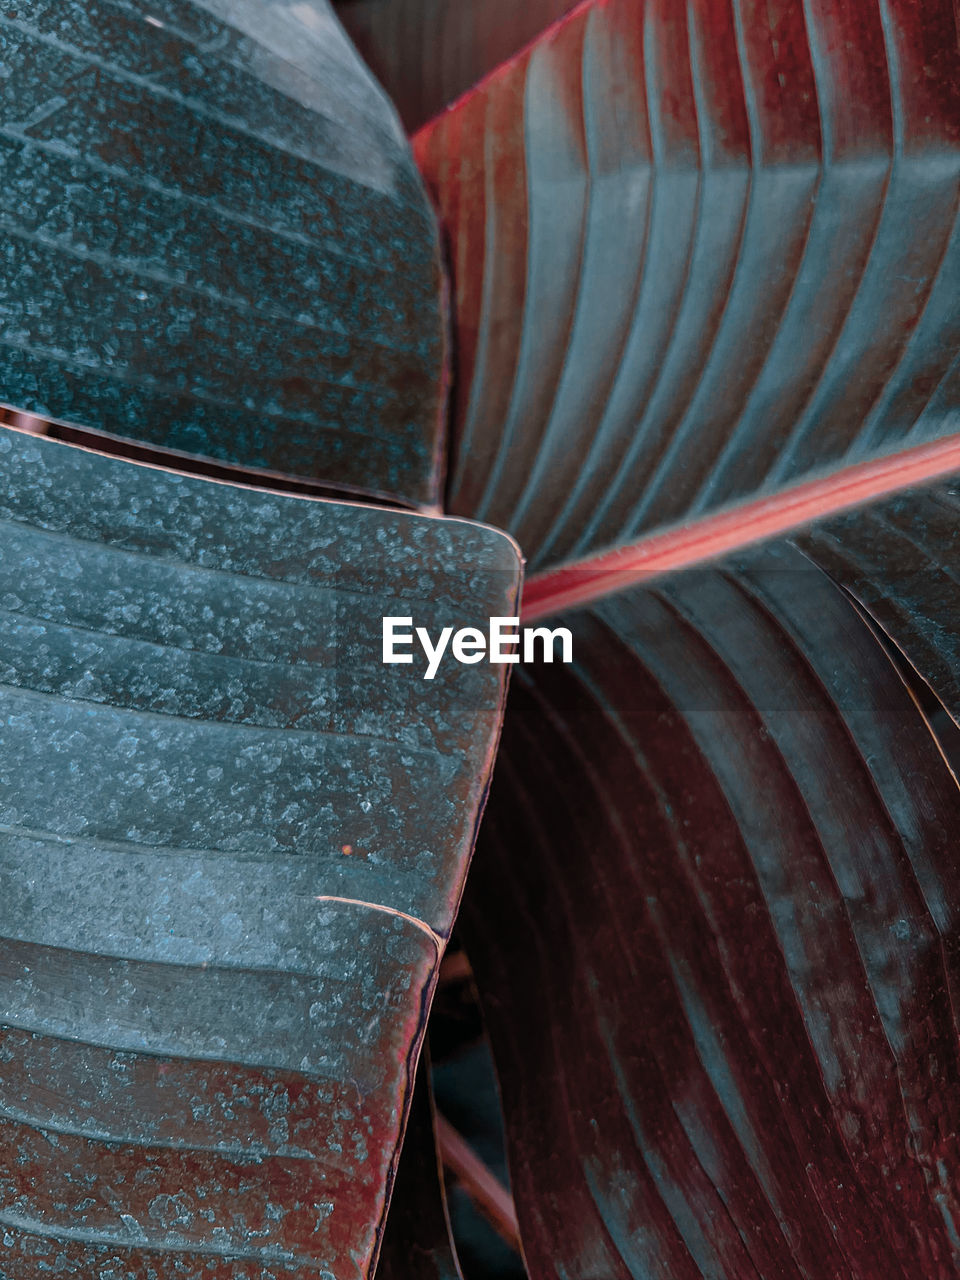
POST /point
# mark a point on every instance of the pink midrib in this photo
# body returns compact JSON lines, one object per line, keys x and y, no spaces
{"x":580,"y":582}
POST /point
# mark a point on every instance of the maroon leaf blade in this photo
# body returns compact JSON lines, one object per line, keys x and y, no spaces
{"x":719,"y":850}
{"x":697,"y":257}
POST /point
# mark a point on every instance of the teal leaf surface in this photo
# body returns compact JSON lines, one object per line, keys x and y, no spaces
{"x":233,"y":842}
{"x":216,"y":241}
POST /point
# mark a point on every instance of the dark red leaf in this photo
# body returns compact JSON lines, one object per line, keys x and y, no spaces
{"x":713,"y":919}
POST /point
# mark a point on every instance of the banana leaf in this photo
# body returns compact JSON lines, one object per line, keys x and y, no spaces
{"x":698,"y":253}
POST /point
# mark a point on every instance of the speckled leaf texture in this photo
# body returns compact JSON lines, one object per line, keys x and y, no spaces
{"x":232,"y":846}
{"x":699,"y":251}
{"x":721,"y":850}
{"x":215,"y":240}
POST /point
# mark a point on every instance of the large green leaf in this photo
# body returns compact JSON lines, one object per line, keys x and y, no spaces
{"x":233,"y":842}
{"x":216,"y":241}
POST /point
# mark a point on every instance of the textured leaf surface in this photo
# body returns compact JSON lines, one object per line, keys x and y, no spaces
{"x":721,"y":852}
{"x":205,"y":207}
{"x":698,"y":252}
{"x":427,"y":52}
{"x":232,"y":845}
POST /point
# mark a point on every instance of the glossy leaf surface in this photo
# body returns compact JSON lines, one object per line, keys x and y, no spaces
{"x":216,"y":240}
{"x":721,"y":852}
{"x":698,"y":252}
{"x":233,"y":842}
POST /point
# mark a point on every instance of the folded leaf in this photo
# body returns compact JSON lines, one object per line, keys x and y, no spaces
{"x":232,"y":843}
{"x":216,"y":240}
{"x":714,"y":922}
{"x":698,"y":252}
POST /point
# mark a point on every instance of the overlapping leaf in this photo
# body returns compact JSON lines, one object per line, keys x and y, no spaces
{"x":216,"y":240}
{"x":713,"y":917}
{"x":233,"y":842}
{"x":698,"y":252}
